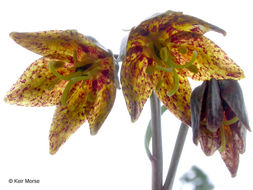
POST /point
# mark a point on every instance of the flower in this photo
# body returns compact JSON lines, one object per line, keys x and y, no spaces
{"x":75,"y":73}
{"x":159,"y":55}
{"x":219,"y":120}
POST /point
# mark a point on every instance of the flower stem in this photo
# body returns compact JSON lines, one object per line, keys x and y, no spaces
{"x":157,"y":161}
{"x":176,"y":156}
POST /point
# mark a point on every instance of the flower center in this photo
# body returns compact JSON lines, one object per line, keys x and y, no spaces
{"x":83,"y":71}
{"x":166,"y":62}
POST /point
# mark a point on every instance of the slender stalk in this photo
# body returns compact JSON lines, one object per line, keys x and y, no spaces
{"x":176,"y":156}
{"x":157,"y":161}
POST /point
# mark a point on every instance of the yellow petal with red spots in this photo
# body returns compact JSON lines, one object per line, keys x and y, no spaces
{"x":67,"y":119}
{"x":135,"y":80}
{"x":103,"y":93}
{"x":211,"y":61}
{"x":60,"y":44}
{"x":166,"y":24}
{"x":179,"y":103}
{"x":37,"y":86}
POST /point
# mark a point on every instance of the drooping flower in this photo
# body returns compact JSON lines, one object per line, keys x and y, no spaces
{"x":159,"y":55}
{"x":219,"y":120}
{"x":76,"y":74}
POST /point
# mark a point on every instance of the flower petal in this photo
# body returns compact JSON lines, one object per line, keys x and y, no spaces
{"x":37,"y":86}
{"x":60,"y":44}
{"x":170,"y":22}
{"x":209,"y":141}
{"x":214,"y":109}
{"x":103,"y":93}
{"x":67,"y":119}
{"x":196,"y":109}
{"x":211,"y":61}
{"x":179,"y":103}
{"x":230,"y":155}
{"x":136,"y":83}
{"x":239,"y":135}
{"x":232,"y":94}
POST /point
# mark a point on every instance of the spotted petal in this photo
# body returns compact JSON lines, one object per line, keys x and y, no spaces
{"x":170,"y":22}
{"x":179,"y":103}
{"x":135,"y":81}
{"x":37,"y":86}
{"x":211,"y":61}
{"x":231,"y":154}
{"x":60,"y":44}
{"x":67,"y":119}
{"x":235,"y":135}
{"x":209,"y":141}
{"x":104,"y":93}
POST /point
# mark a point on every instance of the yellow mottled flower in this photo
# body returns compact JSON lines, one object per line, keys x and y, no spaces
{"x":76,"y":74}
{"x":159,"y":55}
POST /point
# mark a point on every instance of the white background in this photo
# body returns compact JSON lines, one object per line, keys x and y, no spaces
{"x":115,"y":158}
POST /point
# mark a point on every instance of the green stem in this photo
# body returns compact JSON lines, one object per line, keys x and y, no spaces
{"x":157,"y":161}
{"x":176,"y":156}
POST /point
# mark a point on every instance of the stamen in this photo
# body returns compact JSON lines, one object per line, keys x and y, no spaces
{"x":231,"y":121}
{"x":176,"y":84}
{"x":52,"y":85}
{"x":72,"y":81}
{"x":164,"y":54}
{"x":183,"y":50}
{"x":53,"y":65}
{"x":150,"y":70}
{"x":194,"y":57}
{"x":223,"y":139}
{"x":159,"y":84}
{"x":227,"y":122}
{"x":163,"y":68}
{"x":194,"y":69}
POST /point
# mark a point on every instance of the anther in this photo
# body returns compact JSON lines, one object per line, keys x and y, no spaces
{"x":183,"y":50}
{"x":150,"y":70}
